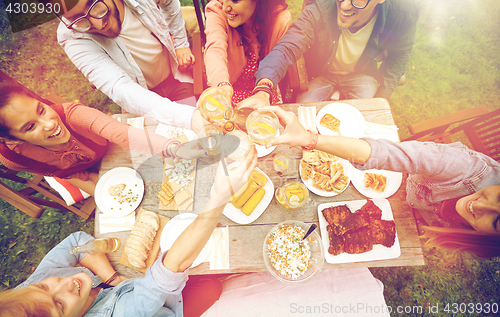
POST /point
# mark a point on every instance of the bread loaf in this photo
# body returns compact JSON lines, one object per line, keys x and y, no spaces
{"x":142,"y":238}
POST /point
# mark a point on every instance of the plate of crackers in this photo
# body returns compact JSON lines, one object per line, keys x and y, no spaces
{"x":358,"y":230}
{"x":324,"y":174}
{"x":340,"y":119}
{"x":251,"y":200}
{"x":178,"y":184}
{"x":119,"y":191}
{"x":375,"y":183}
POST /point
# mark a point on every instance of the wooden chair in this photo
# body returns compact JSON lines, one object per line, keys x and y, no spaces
{"x":23,"y":198}
{"x":199,"y":40}
{"x":482,"y":129}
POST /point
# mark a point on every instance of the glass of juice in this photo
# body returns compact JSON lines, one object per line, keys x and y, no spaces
{"x":293,"y":194}
{"x":213,"y":102}
{"x":262,"y":126}
{"x":236,"y":145}
{"x":281,"y":163}
{"x":210,"y":137}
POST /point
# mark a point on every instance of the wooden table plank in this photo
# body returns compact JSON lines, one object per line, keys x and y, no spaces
{"x":246,"y":241}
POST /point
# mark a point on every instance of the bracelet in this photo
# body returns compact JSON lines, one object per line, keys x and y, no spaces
{"x":169,"y":151}
{"x":266,"y":82}
{"x":313,"y":142}
{"x":224,"y":83}
{"x":112,"y":278}
{"x":265,"y":89}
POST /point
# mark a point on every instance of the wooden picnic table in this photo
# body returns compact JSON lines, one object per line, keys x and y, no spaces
{"x":245,"y":249}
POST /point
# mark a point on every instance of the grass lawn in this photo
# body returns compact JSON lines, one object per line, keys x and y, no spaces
{"x":455,"y":65}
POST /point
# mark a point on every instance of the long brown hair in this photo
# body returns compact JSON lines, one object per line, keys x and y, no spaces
{"x":461,"y":240}
{"x":7,"y":91}
{"x":461,"y":237}
{"x":23,"y":303}
{"x":265,"y":14}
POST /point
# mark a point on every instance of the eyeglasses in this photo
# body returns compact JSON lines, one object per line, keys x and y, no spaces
{"x":97,"y":10}
{"x":358,"y":4}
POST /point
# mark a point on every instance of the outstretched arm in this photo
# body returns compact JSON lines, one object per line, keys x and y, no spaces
{"x":351,"y":149}
{"x":190,"y":243}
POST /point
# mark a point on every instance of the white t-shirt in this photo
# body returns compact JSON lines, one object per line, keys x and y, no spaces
{"x":148,"y":52}
{"x":350,"y":48}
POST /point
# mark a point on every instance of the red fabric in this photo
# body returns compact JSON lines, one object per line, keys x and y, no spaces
{"x":199,"y":294}
{"x":72,"y":189}
{"x":245,"y":84}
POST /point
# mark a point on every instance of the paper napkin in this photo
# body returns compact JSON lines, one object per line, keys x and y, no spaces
{"x":109,"y":224}
{"x":137,"y":122}
{"x":174,"y":132}
{"x":307,"y":117}
{"x":219,"y":257}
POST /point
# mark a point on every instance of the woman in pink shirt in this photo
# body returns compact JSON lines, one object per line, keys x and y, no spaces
{"x":239,"y":35}
{"x":68,"y":140}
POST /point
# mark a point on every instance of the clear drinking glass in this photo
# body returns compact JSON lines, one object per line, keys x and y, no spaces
{"x":236,"y":145}
{"x":281,"y":163}
{"x":210,"y":137}
{"x":213,"y":102}
{"x":262,"y":126}
{"x":293,"y":194}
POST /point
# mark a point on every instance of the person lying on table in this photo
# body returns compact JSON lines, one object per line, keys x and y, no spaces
{"x":239,"y":35}
{"x":59,"y":288}
{"x":455,"y":182}
{"x":69,"y":140}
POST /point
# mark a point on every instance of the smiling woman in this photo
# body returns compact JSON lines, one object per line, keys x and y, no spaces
{"x":239,"y":35}
{"x":456,"y":185}
{"x":68,"y":140}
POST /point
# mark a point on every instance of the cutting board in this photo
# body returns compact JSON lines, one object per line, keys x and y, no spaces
{"x":155,"y":249}
{"x":189,"y":188}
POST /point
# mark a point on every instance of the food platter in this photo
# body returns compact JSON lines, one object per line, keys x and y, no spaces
{"x":394,"y":180}
{"x":134,"y":188}
{"x":321,"y":192}
{"x":237,"y":215}
{"x":379,"y":252}
{"x":173,"y":230}
{"x":352,"y":122}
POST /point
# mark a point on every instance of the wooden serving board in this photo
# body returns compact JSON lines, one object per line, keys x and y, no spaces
{"x":189,"y":188}
{"x":153,"y":253}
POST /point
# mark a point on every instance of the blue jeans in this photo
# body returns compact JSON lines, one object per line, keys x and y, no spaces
{"x":351,"y":86}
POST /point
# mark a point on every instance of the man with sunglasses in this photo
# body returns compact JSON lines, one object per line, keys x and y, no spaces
{"x":340,"y":41}
{"x":136,"y":52}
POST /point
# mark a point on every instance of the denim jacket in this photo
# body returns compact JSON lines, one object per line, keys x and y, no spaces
{"x":316,"y":32}
{"x":157,"y":293}
{"x":438,"y":172}
{"x":108,"y":64}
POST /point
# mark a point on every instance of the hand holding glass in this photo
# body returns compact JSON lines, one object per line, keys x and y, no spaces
{"x":210,"y":138}
{"x":262,"y":126}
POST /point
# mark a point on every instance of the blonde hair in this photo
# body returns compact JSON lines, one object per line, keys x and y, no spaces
{"x":483,"y":245}
{"x":23,"y":303}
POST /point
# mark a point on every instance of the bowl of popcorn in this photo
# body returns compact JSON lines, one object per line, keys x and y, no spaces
{"x":288,"y":257}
